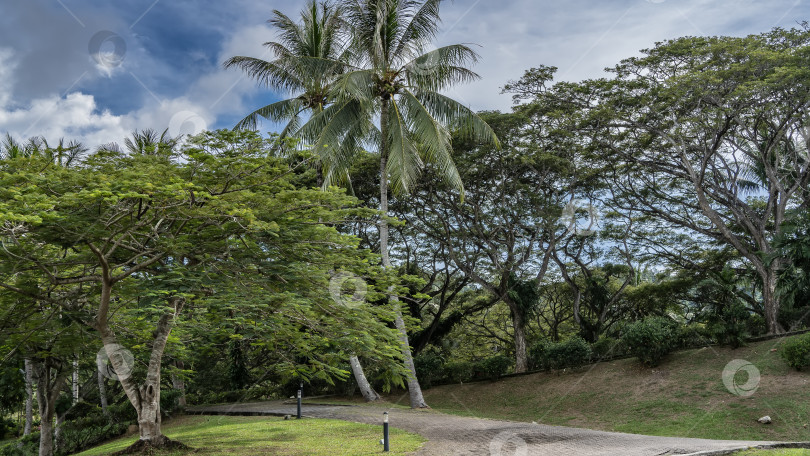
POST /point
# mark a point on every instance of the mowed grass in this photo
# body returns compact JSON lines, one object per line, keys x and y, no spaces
{"x":782,"y":452}
{"x":684,"y":397}
{"x":238,"y":435}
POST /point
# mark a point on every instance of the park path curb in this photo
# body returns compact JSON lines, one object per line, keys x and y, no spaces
{"x":452,"y":435}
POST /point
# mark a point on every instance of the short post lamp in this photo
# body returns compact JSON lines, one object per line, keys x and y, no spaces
{"x":386,"y":446}
{"x":298,"y":415}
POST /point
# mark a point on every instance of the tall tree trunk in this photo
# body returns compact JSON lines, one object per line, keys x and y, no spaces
{"x":360,"y":377}
{"x":770,"y":299}
{"x":414,"y":389}
{"x":102,"y":391}
{"x":51,"y":378}
{"x":75,"y":383}
{"x":519,"y":329}
{"x":29,"y":397}
{"x":179,"y":384}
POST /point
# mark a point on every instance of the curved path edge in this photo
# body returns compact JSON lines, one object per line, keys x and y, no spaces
{"x":451,"y":435}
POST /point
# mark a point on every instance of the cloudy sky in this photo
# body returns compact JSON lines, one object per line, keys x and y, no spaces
{"x":95,"y":70}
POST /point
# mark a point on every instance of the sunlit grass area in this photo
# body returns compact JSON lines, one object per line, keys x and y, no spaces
{"x":229,"y":435}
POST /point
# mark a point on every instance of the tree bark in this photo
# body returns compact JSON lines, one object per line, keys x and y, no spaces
{"x":519,"y":329}
{"x":179,"y":384}
{"x":29,"y":397}
{"x":145,"y":398}
{"x":75,"y":383}
{"x":50,"y":379}
{"x":770,"y":300}
{"x":360,"y":377}
{"x":414,"y":389}
{"x":102,"y":392}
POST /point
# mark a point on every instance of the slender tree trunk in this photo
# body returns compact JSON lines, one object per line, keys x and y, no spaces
{"x":29,"y":397}
{"x":50,"y":380}
{"x":414,"y":389}
{"x":365,"y":387}
{"x":179,"y":384}
{"x":75,"y":383}
{"x":57,"y":431}
{"x":102,"y":392}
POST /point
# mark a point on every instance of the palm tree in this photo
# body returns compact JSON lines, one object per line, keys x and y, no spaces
{"x":303,"y":65}
{"x":309,"y":56}
{"x":391,"y":77}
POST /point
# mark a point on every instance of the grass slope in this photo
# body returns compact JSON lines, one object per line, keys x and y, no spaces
{"x":239,"y":435}
{"x":684,"y":396}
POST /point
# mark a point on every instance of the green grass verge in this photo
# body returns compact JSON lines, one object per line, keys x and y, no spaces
{"x":785,"y":452}
{"x":684,"y":396}
{"x":238,"y":435}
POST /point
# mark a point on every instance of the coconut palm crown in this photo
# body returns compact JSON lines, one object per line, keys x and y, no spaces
{"x":304,"y":65}
{"x":394,"y":78}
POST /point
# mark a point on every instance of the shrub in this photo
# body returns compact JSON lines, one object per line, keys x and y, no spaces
{"x":693,"y":336}
{"x":573,"y":352}
{"x":730,"y":327}
{"x":796,"y":351}
{"x":8,"y":428}
{"x":459,"y":371}
{"x":169,"y":401}
{"x":494,"y":366}
{"x":27,"y":445}
{"x":428,"y":367}
{"x":607,"y":347}
{"x":650,"y":339}
{"x":537,"y":355}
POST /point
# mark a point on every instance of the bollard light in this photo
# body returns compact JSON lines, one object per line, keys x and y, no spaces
{"x":299,"y":405}
{"x":386,"y":446}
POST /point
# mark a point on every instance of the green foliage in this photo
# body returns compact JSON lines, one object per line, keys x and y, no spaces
{"x":573,"y":352}
{"x":494,"y":366}
{"x":12,"y":389}
{"x":8,"y":428}
{"x":650,"y":339}
{"x":25,"y":446}
{"x":730,"y":326}
{"x":607,"y":347}
{"x":537,"y":355}
{"x":459,"y":371}
{"x":429,"y":367}
{"x":796,"y":351}
{"x":692,"y":336}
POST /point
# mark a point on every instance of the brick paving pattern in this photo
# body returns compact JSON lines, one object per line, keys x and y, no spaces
{"x":450,"y":435}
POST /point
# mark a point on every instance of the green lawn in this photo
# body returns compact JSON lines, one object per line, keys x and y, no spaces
{"x":684,"y":396}
{"x":788,"y":452}
{"x":237,"y":435}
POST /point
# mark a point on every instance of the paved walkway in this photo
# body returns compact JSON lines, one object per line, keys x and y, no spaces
{"x":450,"y":435}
